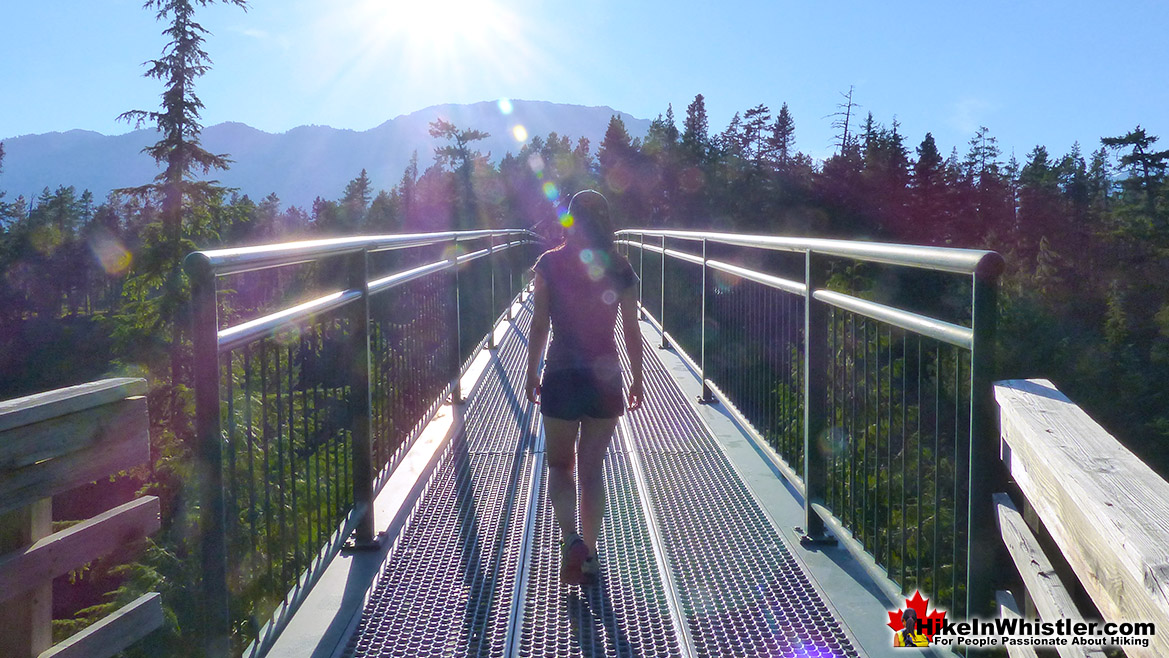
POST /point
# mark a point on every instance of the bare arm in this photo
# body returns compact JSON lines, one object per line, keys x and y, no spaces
{"x":537,"y":337}
{"x":632,"y":332}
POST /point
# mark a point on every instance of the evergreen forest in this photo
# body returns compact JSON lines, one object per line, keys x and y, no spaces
{"x":93,"y":287}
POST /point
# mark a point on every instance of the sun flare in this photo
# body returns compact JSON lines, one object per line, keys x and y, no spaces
{"x":443,"y":29}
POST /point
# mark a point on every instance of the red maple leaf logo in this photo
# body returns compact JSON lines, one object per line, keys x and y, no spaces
{"x":929,"y":623}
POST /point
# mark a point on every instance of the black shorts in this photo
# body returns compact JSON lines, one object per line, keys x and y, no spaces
{"x":570,"y":394}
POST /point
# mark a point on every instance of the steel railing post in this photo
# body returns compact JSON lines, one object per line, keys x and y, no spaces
{"x":985,"y":466}
{"x":456,"y":350}
{"x":511,"y":291}
{"x":707,"y":395}
{"x":662,"y":320}
{"x":215,"y":612}
{"x":491,"y":310}
{"x":360,"y":402}
{"x":641,"y":277}
{"x":815,"y":408}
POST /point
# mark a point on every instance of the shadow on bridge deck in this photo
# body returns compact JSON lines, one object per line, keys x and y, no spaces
{"x":699,"y":548}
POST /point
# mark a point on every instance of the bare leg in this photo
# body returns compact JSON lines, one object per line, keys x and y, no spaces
{"x":560,"y":454}
{"x":595,"y":434}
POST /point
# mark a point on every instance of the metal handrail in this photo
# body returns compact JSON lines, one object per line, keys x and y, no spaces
{"x":246,"y":332}
{"x":247,"y":259}
{"x":946,"y":259}
{"x":946,"y":332}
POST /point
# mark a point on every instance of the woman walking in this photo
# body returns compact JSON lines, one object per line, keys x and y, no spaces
{"x":581,"y":287}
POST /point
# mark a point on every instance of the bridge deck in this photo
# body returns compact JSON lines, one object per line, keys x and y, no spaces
{"x":698,"y":550}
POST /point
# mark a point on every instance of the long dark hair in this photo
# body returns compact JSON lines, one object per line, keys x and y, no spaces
{"x":909,"y":618}
{"x":588,"y":222}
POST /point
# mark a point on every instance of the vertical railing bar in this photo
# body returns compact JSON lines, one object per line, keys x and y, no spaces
{"x":957,"y":480}
{"x":853,"y":434}
{"x":834,"y":467}
{"x":917,"y":492}
{"x":319,"y":336}
{"x":937,"y":484}
{"x":904,"y":450}
{"x":267,"y":475}
{"x":248,"y":421}
{"x":304,"y":439}
{"x":889,"y":452}
{"x":865,"y":436}
{"x":281,"y":524}
{"x":877,"y":441}
{"x":232,"y":439}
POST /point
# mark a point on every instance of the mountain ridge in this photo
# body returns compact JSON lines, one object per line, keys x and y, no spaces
{"x":299,"y":164}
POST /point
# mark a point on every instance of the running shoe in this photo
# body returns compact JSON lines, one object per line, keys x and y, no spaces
{"x":590,"y":571}
{"x":574,"y":553}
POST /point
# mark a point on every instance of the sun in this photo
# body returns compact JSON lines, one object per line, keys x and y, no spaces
{"x":443,"y":29}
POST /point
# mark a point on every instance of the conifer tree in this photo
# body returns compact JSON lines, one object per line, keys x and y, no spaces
{"x":1146,"y":169}
{"x":782,"y":141}
{"x":460,"y":157}
{"x":183,"y":61}
{"x":695,"y":128}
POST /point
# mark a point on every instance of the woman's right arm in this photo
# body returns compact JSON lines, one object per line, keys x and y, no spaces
{"x":537,"y":337}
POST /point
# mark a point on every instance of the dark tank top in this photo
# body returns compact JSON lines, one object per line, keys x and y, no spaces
{"x":584,"y":288}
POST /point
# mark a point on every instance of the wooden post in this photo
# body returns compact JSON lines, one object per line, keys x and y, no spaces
{"x":26,"y":621}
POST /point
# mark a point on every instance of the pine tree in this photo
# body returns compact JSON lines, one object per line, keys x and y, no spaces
{"x":1146,"y":170}
{"x":460,"y":157}
{"x":782,"y":141}
{"x":182,"y":63}
{"x":695,"y":137}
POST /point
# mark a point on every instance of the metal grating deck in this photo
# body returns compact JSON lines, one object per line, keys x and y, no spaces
{"x":699,"y":571}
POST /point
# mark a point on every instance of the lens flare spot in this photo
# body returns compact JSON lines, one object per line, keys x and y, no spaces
{"x":520,"y":133}
{"x":113,"y":256}
{"x":609,"y":297}
{"x":536,"y":164}
{"x":586,"y":256}
{"x":596,"y":272}
{"x":566,"y":220}
{"x":551,"y":192}
{"x":506,"y":108}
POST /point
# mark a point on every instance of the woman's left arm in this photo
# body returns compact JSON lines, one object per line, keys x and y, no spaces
{"x":537,"y":337}
{"x":632,"y":332}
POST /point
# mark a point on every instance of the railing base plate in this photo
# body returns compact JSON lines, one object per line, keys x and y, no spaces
{"x":808,"y":541}
{"x":352,"y":545}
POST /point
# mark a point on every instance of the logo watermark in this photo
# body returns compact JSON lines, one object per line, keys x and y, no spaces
{"x":918,"y":625}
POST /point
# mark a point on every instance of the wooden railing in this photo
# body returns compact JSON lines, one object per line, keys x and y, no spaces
{"x":1104,"y":509}
{"x":51,"y":443}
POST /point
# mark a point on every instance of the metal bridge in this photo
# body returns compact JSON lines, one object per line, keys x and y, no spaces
{"x":805,"y":456}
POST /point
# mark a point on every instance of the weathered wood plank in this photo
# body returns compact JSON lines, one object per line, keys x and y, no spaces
{"x":69,"y":549}
{"x":29,"y":444}
{"x":1009,"y":609}
{"x":30,"y":409}
{"x":57,"y":455}
{"x":1105,"y":508}
{"x":114,"y":633}
{"x":1052,"y":599}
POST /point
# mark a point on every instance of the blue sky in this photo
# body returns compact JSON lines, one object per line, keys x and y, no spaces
{"x":1050,"y":72}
